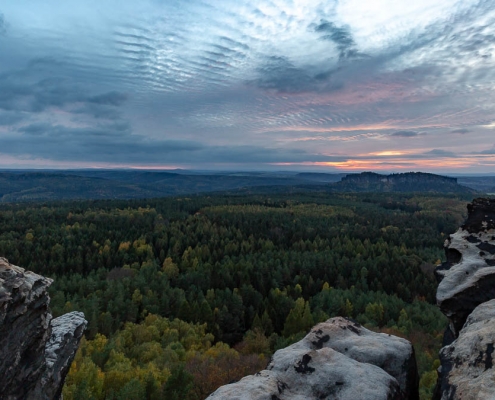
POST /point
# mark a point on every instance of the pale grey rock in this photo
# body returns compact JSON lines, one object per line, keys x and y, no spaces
{"x":466,"y":294}
{"x":392,"y":354}
{"x":467,"y":278}
{"x":66,"y":333}
{"x":339,"y":359}
{"x":467,"y":364}
{"x":35,"y":350}
{"x":314,"y":374}
{"x":261,"y":386}
{"x":471,"y":281}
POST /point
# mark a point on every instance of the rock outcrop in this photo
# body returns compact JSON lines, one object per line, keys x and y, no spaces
{"x":467,"y":364}
{"x":466,"y":294}
{"x":36,"y":350}
{"x":66,"y":333}
{"x":338,"y":359}
{"x":467,"y":278}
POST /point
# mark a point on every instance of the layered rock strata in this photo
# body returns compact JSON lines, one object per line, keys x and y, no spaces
{"x":338,"y":359}
{"x":467,"y":278}
{"x":466,"y":294}
{"x":36,"y":350}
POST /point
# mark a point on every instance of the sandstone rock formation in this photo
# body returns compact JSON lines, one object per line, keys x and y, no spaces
{"x":338,"y":359}
{"x":66,"y":332}
{"x":466,"y":294}
{"x":467,"y":278}
{"x":467,"y":364}
{"x":36,"y":350}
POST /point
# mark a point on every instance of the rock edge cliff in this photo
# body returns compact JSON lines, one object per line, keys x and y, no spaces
{"x":36,"y":349}
{"x":466,"y":295}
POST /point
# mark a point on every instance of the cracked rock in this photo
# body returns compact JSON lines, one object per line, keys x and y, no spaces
{"x":36,"y":350}
{"x":339,"y":359}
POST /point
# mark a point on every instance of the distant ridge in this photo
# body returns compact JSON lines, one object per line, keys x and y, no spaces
{"x":401,"y":182}
{"x":21,"y":186}
{"x":32,"y":186}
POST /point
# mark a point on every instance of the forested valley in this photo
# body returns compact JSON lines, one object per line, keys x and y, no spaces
{"x":186,"y":294}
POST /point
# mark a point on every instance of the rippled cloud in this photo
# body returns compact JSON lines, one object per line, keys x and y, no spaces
{"x":329,"y":84}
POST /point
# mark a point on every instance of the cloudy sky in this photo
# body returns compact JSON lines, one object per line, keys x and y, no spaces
{"x":392,"y":85}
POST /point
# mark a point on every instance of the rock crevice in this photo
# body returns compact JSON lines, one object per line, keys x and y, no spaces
{"x":36,"y":350}
{"x":466,"y":295}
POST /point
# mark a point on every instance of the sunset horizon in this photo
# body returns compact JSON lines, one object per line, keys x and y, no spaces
{"x":326,"y":86}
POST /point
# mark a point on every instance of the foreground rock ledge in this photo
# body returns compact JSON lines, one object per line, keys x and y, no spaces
{"x":467,"y":364}
{"x":36,"y":350}
{"x":338,"y":359}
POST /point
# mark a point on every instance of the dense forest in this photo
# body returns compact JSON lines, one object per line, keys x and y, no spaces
{"x":183,"y":294}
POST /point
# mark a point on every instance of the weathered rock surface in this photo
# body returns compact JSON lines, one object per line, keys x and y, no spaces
{"x":467,"y":278}
{"x":36,"y":351}
{"x":338,"y":359}
{"x":467,"y":364}
{"x":392,"y":354}
{"x":466,"y":294}
{"x":66,"y":333}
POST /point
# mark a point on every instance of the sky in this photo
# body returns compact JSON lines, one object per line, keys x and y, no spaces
{"x":335,"y":85}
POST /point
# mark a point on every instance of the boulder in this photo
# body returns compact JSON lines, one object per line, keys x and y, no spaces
{"x":36,"y":350}
{"x":314,"y":374}
{"x":390,"y":353}
{"x":338,"y":359}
